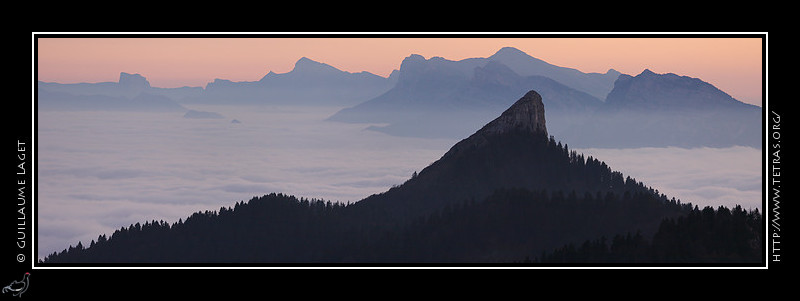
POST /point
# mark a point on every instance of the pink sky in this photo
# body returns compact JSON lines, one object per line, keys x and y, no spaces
{"x":733,"y":64}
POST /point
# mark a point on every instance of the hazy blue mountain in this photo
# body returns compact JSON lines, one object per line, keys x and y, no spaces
{"x":443,"y":98}
{"x":309,"y":83}
{"x":131,"y":92}
{"x":595,"y":84}
{"x":668,"y":110}
{"x":141,"y":102}
{"x":441,"y":84}
{"x":650,"y":92}
{"x":129,"y":86}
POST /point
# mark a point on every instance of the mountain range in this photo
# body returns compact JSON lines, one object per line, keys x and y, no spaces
{"x":659,"y":110}
{"x":131,"y":93}
{"x":440,"y":98}
{"x":308,"y":83}
{"x":505,"y":194}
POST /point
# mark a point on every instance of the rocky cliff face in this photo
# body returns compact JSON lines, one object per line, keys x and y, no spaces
{"x":133,"y":81}
{"x":526,"y":115}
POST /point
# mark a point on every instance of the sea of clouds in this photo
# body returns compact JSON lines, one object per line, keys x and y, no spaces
{"x":99,"y":171}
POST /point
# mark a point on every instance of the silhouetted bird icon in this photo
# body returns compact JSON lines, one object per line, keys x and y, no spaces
{"x":17,"y":287}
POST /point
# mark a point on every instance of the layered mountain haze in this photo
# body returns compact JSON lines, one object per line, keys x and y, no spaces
{"x":504,"y":194}
{"x":441,"y":98}
{"x":594,"y":84}
{"x":438,"y":98}
{"x":650,"y":91}
{"x":131,"y":93}
{"x":129,"y":86}
{"x":308,"y":83}
{"x":661,"y":110}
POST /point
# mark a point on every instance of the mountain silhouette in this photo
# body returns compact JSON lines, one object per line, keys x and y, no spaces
{"x":595,"y":84}
{"x":438,"y":98}
{"x":511,"y":151}
{"x":308,"y":83}
{"x":131,"y":93}
{"x":664,"y":92}
{"x":661,"y":110}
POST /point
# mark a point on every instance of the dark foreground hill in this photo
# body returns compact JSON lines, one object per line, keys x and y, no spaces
{"x":506,"y":193}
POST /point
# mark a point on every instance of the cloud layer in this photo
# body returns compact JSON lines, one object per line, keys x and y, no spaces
{"x":702,"y":176}
{"x":99,"y":171}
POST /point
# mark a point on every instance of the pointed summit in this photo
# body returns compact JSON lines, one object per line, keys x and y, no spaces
{"x":307,"y":65}
{"x":133,"y":80}
{"x":527,"y":114}
{"x":509,"y":52}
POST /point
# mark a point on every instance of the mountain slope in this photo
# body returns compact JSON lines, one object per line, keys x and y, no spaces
{"x":512,"y":151}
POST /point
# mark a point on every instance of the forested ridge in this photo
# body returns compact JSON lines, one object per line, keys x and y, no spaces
{"x":702,"y":236}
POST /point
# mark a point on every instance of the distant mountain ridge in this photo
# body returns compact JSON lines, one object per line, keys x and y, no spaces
{"x":131,"y":93}
{"x":308,"y":83}
{"x":656,"y":92}
{"x":442,"y":99}
{"x":660,"y":110}
{"x":595,"y":84}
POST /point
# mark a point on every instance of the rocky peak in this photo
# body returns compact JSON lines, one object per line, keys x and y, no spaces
{"x":133,"y":80}
{"x":526,"y":114}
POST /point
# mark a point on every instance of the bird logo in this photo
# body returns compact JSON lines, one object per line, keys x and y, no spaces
{"x":18,"y":287}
